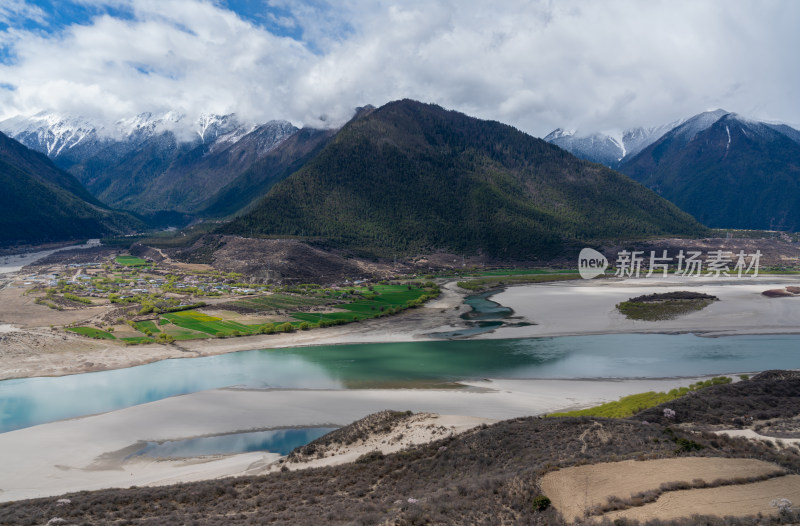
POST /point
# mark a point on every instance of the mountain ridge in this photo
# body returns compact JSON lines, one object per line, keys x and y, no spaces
{"x":617,"y":148}
{"x":609,"y":149}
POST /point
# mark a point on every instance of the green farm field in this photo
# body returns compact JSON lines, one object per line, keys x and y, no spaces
{"x":211,"y":325}
{"x":364,"y":303}
{"x":377,"y":302}
{"x":91,"y":332}
{"x":131,"y":261}
{"x":141,"y":326}
{"x":278,"y":302}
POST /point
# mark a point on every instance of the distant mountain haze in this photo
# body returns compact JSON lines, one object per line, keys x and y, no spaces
{"x":610,"y":150}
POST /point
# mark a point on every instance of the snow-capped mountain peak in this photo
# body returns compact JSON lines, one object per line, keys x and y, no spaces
{"x":609,"y":148}
{"x":613,"y":149}
{"x":146,"y":124}
{"x":698,"y":123}
{"x":559,"y":133}
{"x":52,"y":133}
{"x":73,"y":139}
{"x":210,"y":126}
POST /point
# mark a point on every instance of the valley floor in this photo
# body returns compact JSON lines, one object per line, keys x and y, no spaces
{"x":27,"y":351}
{"x":90,"y":452}
{"x":552,"y":309}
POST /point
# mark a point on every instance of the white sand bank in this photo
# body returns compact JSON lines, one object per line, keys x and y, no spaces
{"x":15,"y":262}
{"x":88,"y":453}
{"x":589,"y":307}
{"x":421,"y":428}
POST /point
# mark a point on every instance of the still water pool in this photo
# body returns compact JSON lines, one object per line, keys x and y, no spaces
{"x":280,"y":441}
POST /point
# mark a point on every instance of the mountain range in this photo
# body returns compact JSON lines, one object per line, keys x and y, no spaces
{"x":725,"y":170}
{"x":150,"y":164}
{"x":608,"y":149}
{"x":411,"y":177}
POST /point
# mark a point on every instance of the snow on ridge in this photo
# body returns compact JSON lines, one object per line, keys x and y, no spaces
{"x":212,"y":124}
{"x":618,"y":138}
{"x":52,"y":132}
{"x":235,"y":135}
{"x":627,"y":142}
{"x":56,"y":134}
{"x":147,"y":124}
{"x":698,"y":123}
{"x":559,"y":133}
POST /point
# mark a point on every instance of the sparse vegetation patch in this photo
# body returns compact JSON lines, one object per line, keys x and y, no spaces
{"x":665,"y":306}
{"x":91,"y":332}
{"x":630,"y":405}
{"x":492,"y":282}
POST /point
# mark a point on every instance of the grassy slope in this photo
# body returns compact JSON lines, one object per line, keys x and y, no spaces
{"x":628,"y":406}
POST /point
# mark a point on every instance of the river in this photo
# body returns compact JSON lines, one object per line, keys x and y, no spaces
{"x":30,"y":401}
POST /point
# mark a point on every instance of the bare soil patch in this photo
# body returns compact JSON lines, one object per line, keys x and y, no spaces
{"x":728,"y":501}
{"x":277,"y":259}
{"x":574,"y":491}
{"x":86,"y":255}
{"x":20,"y":310}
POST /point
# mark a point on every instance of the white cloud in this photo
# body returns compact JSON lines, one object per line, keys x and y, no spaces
{"x":184,"y":55}
{"x":12,"y":10}
{"x":536,"y":65}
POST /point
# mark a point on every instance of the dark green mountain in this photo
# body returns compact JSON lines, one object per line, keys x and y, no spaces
{"x":413,"y":178}
{"x":726,"y":171}
{"x":41,"y":203}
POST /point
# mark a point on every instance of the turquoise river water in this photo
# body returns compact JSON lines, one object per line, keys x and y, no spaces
{"x":30,"y":401}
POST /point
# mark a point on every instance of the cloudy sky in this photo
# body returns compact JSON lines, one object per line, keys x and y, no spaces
{"x":538,"y":65}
